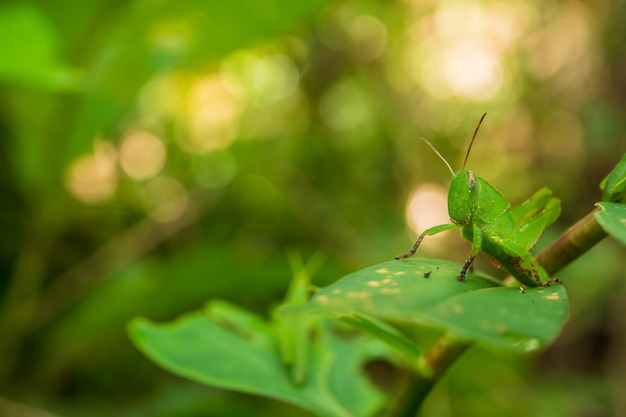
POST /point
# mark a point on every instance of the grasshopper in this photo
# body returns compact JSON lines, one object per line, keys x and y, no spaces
{"x":487,"y":220}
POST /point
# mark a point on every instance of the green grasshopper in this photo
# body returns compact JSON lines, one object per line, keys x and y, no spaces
{"x":487,"y":220}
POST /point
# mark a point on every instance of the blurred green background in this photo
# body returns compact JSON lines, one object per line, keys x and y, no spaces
{"x":159,"y":154}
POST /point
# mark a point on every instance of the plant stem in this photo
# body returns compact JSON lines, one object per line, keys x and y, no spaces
{"x":432,"y":366}
{"x":575,"y":241}
{"x":578,"y":239}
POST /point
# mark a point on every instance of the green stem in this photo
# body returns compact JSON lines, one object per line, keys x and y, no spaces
{"x":431,"y":367}
{"x":574,"y":242}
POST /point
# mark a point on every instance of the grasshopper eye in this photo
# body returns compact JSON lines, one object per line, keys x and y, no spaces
{"x":471,"y":180}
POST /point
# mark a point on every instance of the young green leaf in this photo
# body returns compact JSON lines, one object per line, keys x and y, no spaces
{"x":612,"y":218}
{"x":613,"y":186}
{"x":292,"y":332}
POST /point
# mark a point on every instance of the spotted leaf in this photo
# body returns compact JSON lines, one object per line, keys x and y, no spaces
{"x":426,"y":292}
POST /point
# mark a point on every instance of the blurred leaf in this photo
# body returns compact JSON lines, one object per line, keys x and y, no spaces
{"x":212,"y":29}
{"x":427,"y":292}
{"x":292,"y":332}
{"x":612,"y":218}
{"x":230,"y":348}
{"x":29,"y":47}
{"x":613,"y":186}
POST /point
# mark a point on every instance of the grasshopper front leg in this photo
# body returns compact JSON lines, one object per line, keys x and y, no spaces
{"x":466,"y":266}
{"x":428,"y":232}
{"x":477,"y":243}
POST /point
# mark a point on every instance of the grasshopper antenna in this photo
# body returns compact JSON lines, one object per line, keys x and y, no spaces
{"x":439,"y":155}
{"x":469,"y":148}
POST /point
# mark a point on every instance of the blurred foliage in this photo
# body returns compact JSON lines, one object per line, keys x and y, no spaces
{"x":227,"y":347}
{"x":160,"y":154}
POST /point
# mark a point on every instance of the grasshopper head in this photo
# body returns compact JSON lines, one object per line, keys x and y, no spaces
{"x":462,"y":197}
{"x":464,"y":188}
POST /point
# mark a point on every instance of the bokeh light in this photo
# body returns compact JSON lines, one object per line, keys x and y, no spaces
{"x":261,"y":78}
{"x":427,"y":206}
{"x":213,"y":115}
{"x":92,"y":178}
{"x":463,"y":50}
{"x":142,"y":155}
{"x":473,"y":70}
{"x":369,"y":36}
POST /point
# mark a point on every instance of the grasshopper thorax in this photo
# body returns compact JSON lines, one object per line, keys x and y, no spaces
{"x":463,"y":197}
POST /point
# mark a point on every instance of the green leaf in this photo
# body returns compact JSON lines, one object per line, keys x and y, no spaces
{"x":386,"y":333}
{"x":230,"y":348}
{"x":30,"y":49}
{"x":426,"y":292}
{"x":613,"y":186}
{"x":612,"y":218}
